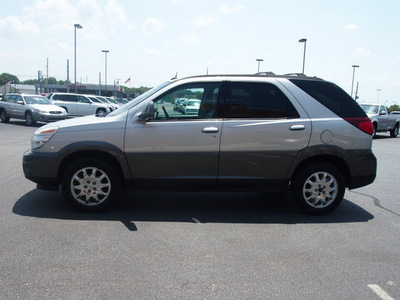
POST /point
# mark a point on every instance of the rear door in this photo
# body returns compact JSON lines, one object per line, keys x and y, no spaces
{"x":8,"y":104}
{"x":85,"y":107}
{"x":173,"y":149}
{"x":262,"y":133}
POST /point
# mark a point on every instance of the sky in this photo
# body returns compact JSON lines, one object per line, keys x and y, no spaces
{"x":150,"y":41}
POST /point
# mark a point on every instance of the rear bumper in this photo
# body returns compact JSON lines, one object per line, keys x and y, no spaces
{"x":362,"y":166}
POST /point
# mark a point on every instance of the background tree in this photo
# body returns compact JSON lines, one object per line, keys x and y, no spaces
{"x":394,"y":108}
{"x":6,"y":77}
{"x":30,"y":81}
{"x":51,"y":80}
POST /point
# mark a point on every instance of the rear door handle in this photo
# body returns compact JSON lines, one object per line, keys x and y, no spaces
{"x":210,"y":130}
{"x":297,"y":127}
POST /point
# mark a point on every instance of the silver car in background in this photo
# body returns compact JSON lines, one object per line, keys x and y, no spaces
{"x":32,"y":108}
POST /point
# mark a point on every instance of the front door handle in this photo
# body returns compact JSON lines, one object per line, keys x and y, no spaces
{"x":210,"y":130}
{"x":297,"y":127}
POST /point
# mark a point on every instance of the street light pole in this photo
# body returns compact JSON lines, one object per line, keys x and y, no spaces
{"x":79,"y":26}
{"x":259,"y":60}
{"x":352,"y":82}
{"x":105,"y":75}
{"x":304,"y":55}
{"x":379,"y":91}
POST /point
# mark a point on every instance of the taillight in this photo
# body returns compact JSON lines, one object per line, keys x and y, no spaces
{"x":363,"y":124}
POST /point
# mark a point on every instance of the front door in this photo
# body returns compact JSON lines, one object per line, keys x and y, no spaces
{"x":177,"y":148}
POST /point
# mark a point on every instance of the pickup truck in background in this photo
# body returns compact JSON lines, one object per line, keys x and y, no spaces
{"x":381,"y":120}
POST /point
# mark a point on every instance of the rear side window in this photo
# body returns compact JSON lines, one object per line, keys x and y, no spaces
{"x":62,"y":97}
{"x":332,"y":97}
{"x":259,"y":100}
{"x":9,"y":98}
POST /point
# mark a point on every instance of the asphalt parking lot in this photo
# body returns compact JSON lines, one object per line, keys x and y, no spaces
{"x":181,"y":245}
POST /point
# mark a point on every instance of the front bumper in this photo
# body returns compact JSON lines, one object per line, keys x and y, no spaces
{"x":48,"y":117}
{"x":41,"y":169}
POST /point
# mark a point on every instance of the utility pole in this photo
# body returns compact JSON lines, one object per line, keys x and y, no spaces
{"x":67,"y":75}
{"x":47,"y":76}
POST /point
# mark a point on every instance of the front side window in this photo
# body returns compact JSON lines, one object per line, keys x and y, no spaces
{"x":188,"y":102}
{"x":259,"y":100}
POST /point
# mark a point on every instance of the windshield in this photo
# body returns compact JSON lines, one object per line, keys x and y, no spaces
{"x":37,"y":100}
{"x":370,"y":109}
{"x":138,"y":100}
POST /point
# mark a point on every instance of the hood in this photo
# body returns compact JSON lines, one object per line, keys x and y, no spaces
{"x":87,"y":123}
{"x":47,"y":107}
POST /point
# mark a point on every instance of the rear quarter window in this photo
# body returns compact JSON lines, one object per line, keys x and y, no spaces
{"x":332,"y":97}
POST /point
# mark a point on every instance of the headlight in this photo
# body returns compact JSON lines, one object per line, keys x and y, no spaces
{"x":42,"y":136}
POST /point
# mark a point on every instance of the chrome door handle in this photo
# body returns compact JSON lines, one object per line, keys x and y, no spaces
{"x":210,"y":130}
{"x":297,"y":127}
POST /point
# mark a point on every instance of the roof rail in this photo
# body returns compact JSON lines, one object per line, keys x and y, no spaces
{"x":296,"y":74}
{"x":265,"y":73}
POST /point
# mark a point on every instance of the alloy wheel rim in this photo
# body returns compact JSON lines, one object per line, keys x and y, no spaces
{"x":90,"y":186}
{"x":320,"y":190}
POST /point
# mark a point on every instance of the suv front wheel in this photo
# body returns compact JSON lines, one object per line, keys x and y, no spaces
{"x":318,"y":188}
{"x":91,"y":184}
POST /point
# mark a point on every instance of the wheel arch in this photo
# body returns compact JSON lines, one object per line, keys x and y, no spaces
{"x":91,"y":153}
{"x":321,"y":154}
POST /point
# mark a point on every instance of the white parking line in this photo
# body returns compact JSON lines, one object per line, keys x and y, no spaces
{"x":380,"y":292}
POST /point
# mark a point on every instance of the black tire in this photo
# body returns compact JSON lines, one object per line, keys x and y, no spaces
{"x":101,"y":112}
{"x":29,"y":119}
{"x":318,"y":188}
{"x":3,"y":116}
{"x":395,"y":131}
{"x":374,"y":130}
{"x":91,"y":184}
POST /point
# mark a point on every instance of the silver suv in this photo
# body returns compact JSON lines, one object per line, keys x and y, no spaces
{"x":289,"y":133}
{"x":78,"y":105}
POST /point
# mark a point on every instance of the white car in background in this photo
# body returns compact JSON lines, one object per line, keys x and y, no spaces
{"x":191,"y":107}
{"x":78,"y":104}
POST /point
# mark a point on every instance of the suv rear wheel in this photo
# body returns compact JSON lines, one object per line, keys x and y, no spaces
{"x":318,"y":188}
{"x":101,"y":112}
{"x":395,"y":131}
{"x":91,"y":184}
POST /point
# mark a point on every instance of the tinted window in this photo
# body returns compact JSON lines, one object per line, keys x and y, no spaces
{"x":332,"y":97}
{"x":63,"y":97}
{"x":259,"y":100}
{"x":190,"y":101}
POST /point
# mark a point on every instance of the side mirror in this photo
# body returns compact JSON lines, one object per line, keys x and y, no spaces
{"x":148,"y":112}
{"x":382,"y":112}
{"x":20,"y":102}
